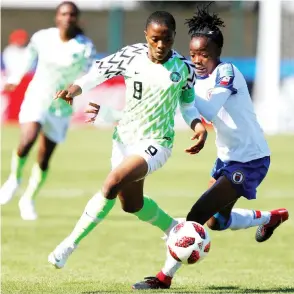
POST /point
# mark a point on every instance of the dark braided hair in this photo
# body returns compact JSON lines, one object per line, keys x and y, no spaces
{"x":77,"y":30}
{"x":205,"y":24}
{"x":162,"y":18}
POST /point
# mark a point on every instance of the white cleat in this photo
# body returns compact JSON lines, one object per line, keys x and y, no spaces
{"x":61,"y":253}
{"x":7,"y":191}
{"x":27,"y":209}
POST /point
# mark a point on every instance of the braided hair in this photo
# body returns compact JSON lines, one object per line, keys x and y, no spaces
{"x":205,"y":24}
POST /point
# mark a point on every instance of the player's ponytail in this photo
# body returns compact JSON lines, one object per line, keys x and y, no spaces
{"x":205,"y":24}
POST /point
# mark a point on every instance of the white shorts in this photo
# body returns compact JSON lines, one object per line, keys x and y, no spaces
{"x":154,"y":154}
{"x":54,"y":127}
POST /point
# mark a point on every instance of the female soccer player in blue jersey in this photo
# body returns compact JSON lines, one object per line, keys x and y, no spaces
{"x":243,"y":156}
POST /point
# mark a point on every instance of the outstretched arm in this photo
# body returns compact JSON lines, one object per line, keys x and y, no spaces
{"x":191,"y":116}
{"x":102,"y":70}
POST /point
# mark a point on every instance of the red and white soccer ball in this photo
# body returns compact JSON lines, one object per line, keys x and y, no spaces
{"x":188,"y":242}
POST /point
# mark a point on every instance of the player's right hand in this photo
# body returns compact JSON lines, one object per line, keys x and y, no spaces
{"x":65,"y":95}
{"x":200,"y":133}
{"x":92,"y":108}
{"x":9,"y":87}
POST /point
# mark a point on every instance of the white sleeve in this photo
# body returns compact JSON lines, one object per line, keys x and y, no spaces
{"x":210,"y":108}
{"x":90,"y":55}
{"x":108,"y":115}
{"x":108,"y":67}
{"x":189,"y":112}
{"x":31,"y":53}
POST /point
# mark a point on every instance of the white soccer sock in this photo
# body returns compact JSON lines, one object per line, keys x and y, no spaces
{"x":37,"y":179}
{"x":245,"y":218}
{"x":171,"y":266}
{"x":95,"y":211}
{"x":174,"y":223}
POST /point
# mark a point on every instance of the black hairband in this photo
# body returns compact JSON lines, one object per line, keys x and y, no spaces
{"x":213,"y":34}
{"x":207,"y":31}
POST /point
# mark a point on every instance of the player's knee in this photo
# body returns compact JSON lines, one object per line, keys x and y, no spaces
{"x":131,"y":208}
{"x":218,"y":222}
{"x":213,"y":224}
{"x":112,"y":185}
{"x":43,"y":160}
{"x":26,"y":144}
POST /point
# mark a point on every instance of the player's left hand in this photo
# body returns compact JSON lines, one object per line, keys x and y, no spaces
{"x":94,"y":109}
{"x":200,"y":133}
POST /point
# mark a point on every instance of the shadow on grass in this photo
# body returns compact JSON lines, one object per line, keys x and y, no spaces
{"x":224,"y":289}
{"x":211,"y":289}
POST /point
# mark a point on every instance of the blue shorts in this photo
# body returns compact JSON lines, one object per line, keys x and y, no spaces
{"x":244,"y":176}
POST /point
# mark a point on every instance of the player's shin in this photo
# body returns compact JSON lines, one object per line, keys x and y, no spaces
{"x":245,"y":218}
{"x":9,"y":188}
{"x":95,"y":211}
{"x":154,"y":215}
{"x":171,"y":266}
{"x":17,"y":165}
{"x":37,"y":179}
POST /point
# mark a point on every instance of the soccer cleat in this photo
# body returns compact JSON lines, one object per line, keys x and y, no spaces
{"x":264,"y":232}
{"x":27,"y":209}
{"x":7,"y":191}
{"x":61,"y":253}
{"x":150,"y":283}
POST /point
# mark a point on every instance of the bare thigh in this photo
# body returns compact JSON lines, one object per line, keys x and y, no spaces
{"x":132,"y":196}
{"x":46,"y":149}
{"x":28,"y":135}
{"x":220,"y":196}
{"x":132,"y":169}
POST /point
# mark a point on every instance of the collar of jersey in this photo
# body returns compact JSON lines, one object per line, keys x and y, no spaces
{"x":171,"y":57}
{"x":202,"y":78}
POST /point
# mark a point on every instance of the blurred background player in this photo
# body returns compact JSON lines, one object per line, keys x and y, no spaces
{"x":157,"y":79}
{"x":243,"y":159}
{"x":63,"y":53}
{"x":15,"y":52}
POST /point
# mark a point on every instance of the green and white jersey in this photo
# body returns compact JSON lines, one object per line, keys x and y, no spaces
{"x":153,"y":92}
{"x":59,"y":64}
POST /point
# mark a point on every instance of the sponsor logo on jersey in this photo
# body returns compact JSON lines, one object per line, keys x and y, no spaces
{"x":238,"y":177}
{"x":167,"y":138}
{"x":175,"y":77}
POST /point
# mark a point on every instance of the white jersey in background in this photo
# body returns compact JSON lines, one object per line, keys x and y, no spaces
{"x":223,"y":98}
{"x":59,"y":64}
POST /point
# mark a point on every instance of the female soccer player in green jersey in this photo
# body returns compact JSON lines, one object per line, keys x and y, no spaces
{"x":157,"y":80}
{"x":64,"y":53}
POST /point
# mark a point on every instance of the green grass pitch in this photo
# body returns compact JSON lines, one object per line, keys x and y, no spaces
{"x":122,"y":250}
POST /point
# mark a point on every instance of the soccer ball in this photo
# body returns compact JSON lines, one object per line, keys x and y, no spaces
{"x":188,"y":242}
